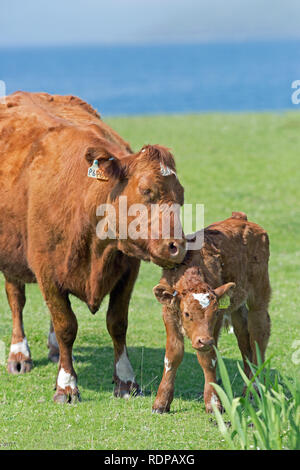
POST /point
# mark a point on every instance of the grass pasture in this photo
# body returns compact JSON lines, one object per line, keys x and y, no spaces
{"x":242,"y":162}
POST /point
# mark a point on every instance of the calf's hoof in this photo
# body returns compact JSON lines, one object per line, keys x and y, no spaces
{"x":67,"y":396}
{"x":19,"y":366}
{"x":209,"y":408}
{"x":160,"y":410}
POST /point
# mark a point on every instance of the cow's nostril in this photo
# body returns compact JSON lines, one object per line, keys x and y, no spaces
{"x":173,"y":248}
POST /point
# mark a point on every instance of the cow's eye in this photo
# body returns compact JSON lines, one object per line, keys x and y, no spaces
{"x":186,"y":314}
{"x":148,"y":193}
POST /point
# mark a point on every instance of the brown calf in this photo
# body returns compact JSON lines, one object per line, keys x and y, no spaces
{"x":227,"y":279}
{"x":49,"y":223}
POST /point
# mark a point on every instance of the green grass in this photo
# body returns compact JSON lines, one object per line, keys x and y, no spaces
{"x":241,"y":162}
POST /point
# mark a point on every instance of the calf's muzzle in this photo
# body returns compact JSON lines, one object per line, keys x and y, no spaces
{"x":202,"y":343}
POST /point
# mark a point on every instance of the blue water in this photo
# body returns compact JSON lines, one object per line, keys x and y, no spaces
{"x":161,"y":79}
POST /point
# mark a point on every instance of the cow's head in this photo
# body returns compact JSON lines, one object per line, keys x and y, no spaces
{"x":146,"y":195}
{"x":198,"y":307}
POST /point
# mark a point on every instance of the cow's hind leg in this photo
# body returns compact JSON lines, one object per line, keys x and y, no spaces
{"x":117,"y":320}
{"x":19,"y":359}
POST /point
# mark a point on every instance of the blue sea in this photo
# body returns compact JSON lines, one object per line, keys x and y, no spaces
{"x":126,"y":80}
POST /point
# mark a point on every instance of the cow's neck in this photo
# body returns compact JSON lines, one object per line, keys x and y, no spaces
{"x":92,"y":266}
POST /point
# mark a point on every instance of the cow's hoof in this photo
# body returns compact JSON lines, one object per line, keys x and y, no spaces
{"x":127,"y":390}
{"x":19,"y":367}
{"x":53,"y":357}
{"x":67,"y":397}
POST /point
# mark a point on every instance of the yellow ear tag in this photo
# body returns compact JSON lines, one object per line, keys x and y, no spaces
{"x":100,"y":175}
{"x":224,"y":301}
{"x":95,"y":172}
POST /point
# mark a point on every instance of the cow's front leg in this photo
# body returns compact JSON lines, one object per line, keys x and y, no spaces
{"x":65,"y":327}
{"x":52,"y":345}
{"x":19,"y":359}
{"x":173,"y":357}
{"x":117,"y":321}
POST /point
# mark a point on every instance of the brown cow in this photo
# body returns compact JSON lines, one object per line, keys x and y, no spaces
{"x":227,"y":279}
{"x":48,"y":222}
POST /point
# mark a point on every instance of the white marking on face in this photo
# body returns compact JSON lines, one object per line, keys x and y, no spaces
{"x":52,"y":339}
{"x":166,"y":171}
{"x":202,"y":299}
{"x":65,"y":379}
{"x":21,"y":347}
{"x":167,"y":365}
{"x":124,"y":369}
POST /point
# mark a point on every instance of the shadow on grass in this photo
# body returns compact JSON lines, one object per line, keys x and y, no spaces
{"x":94,"y":367}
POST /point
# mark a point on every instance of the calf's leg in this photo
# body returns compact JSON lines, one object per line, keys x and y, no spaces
{"x":208,"y":362}
{"x":117,"y":321}
{"x":259,"y":323}
{"x":239,"y":320}
{"x":19,"y":359}
{"x":173,"y":357}
{"x":259,"y":327}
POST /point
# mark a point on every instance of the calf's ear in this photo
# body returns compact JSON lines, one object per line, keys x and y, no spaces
{"x":164,"y":294}
{"x":223,"y":294}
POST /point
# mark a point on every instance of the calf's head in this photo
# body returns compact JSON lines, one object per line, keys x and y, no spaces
{"x":197,"y":307}
{"x":146,"y":195}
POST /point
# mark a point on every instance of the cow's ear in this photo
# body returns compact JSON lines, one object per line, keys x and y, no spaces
{"x":164,"y":294}
{"x":108,"y":165}
{"x":224,"y":293}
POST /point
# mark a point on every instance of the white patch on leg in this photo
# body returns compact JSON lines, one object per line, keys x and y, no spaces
{"x":167,"y":364}
{"x":21,"y":347}
{"x":202,"y":299}
{"x":52,"y":340}
{"x":213,"y":362}
{"x":124,"y":369}
{"x":65,"y":379}
{"x":214,"y":399}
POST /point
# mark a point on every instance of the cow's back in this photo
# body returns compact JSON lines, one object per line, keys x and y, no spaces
{"x":42,"y":142}
{"x":234,"y":250}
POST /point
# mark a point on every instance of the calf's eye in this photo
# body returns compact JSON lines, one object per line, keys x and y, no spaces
{"x":187,"y":315}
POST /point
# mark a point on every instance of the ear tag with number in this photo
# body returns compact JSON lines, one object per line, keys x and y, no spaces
{"x":95,"y":172}
{"x":224,"y":301}
{"x":92,"y":171}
